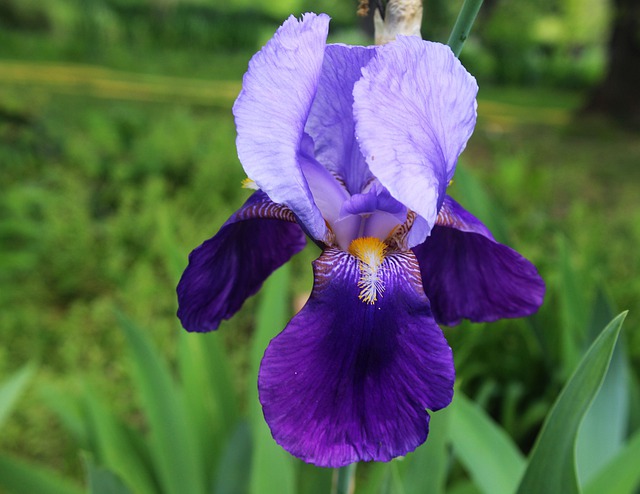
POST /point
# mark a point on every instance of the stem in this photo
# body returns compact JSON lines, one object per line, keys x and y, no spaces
{"x":463,"y":25}
{"x":344,"y":480}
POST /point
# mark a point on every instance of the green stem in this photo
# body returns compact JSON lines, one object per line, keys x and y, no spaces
{"x":344,"y":480}
{"x":463,"y":25}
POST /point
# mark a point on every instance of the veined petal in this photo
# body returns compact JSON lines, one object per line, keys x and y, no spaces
{"x":467,"y":274}
{"x":415,"y":109}
{"x":271,"y":110}
{"x":328,"y":194}
{"x":420,"y":230}
{"x":350,"y":381}
{"x":230,"y":267}
{"x":331,"y":119}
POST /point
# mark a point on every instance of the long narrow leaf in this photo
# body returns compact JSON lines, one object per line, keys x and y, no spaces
{"x":552,"y":464}
{"x":208,"y":395}
{"x":113,"y":448}
{"x":272,"y":468}
{"x":475,"y":198}
{"x":103,"y":481}
{"x":233,"y":472}
{"x":172,"y":441}
{"x":12,"y":388}
{"x":20,"y":477}
{"x":69,"y":409}
{"x":486,"y":451}
{"x":604,"y":428}
{"x":314,"y":480}
{"x":425,"y":470}
{"x":621,"y":475}
{"x":574,"y":318}
{"x":375,"y":478}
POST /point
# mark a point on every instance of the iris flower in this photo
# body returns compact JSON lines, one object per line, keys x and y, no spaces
{"x":354,"y":147}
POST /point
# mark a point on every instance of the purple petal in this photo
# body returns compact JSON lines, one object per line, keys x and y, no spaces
{"x":467,"y":274}
{"x":230,"y":267}
{"x":350,"y":381}
{"x":419,"y":231}
{"x":270,"y":112}
{"x":360,"y":203}
{"x":415,"y":109}
{"x":328,"y":194}
{"x":331,"y":119}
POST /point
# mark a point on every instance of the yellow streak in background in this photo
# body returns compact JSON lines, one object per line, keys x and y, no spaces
{"x":101,"y":82}
{"x":509,"y":114}
{"x":113,"y":84}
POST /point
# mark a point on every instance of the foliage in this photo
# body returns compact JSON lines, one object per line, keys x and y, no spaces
{"x":555,"y":42}
{"x":197,"y":440}
{"x":110,"y":177}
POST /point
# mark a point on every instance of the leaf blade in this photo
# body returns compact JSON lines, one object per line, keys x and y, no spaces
{"x":621,"y":475}
{"x":173,"y":445}
{"x":272,"y":468}
{"x":604,"y":428}
{"x":12,"y":388}
{"x":20,"y":476}
{"x":493,"y":460}
{"x":552,"y":463}
{"x":425,"y":470}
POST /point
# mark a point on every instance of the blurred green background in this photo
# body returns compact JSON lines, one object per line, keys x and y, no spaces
{"x":117,"y":158}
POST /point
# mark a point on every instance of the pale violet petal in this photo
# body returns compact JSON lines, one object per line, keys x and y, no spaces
{"x":415,"y":109}
{"x":271,"y":110}
{"x":331,"y":119}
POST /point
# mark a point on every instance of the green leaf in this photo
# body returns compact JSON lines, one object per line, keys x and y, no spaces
{"x":474,"y":198}
{"x":314,"y":480}
{"x":12,"y":388}
{"x":234,"y":470}
{"x":425,"y":470}
{"x":573,"y":337}
{"x":208,"y":394}
{"x":604,"y":428}
{"x":634,"y":402}
{"x":113,"y":447}
{"x":69,"y":409}
{"x":464,"y":487}
{"x":375,"y":478}
{"x":272,"y":468}
{"x":486,"y":451}
{"x":19,"y":477}
{"x":621,"y":475}
{"x":552,"y":463}
{"x":103,"y":481}
{"x":173,"y":444}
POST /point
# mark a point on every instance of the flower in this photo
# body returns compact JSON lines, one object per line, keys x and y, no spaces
{"x":354,"y":147}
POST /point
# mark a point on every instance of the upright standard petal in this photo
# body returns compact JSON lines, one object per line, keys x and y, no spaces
{"x":230,"y":267}
{"x":350,"y":380}
{"x":467,"y":274}
{"x":415,"y":109}
{"x":331,"y":121}
{"x":271,"y":110}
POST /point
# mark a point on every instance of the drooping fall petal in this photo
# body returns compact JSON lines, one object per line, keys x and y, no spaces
{"x":468,"y":275}
{"x":350,"y":381}
{"x":232,"y":265}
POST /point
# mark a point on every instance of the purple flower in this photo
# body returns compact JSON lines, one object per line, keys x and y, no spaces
{"x":354,"y":147}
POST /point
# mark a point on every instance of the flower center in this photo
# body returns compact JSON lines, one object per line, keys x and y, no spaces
{"x":370,"y":252}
